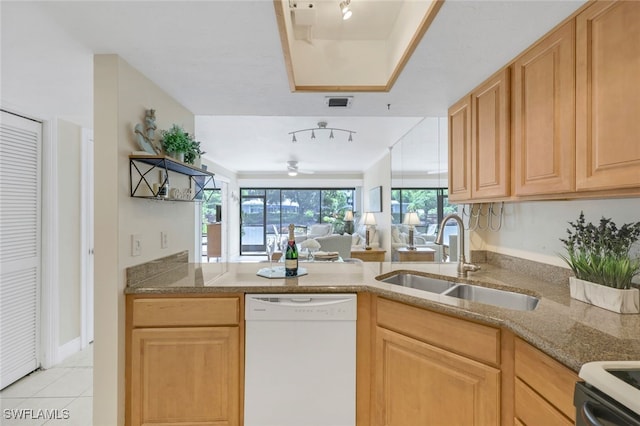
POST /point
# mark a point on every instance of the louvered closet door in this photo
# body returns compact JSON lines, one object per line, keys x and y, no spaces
{"x":20,"y":146}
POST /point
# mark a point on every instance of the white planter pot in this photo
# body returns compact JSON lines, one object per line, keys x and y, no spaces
{"x":612,"y":299}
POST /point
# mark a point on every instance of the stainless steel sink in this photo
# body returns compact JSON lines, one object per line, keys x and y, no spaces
{"x":474,"y":293}
{"x":492,"y":296}
{"x":434,"y":285}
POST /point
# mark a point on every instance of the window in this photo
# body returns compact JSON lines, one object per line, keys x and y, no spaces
{"x":431,"y":204}
{"x":269,"y":211}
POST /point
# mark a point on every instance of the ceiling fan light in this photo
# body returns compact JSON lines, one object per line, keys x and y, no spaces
{"x":347,"y":14}
{"x":292,"y":173}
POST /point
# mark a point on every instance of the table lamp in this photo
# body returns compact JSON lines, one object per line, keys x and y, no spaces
{"x":369,"y":220}
{"x":348,"y":222}
{"x":412,"y":220}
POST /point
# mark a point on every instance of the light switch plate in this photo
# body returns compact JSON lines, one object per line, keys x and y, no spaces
{"x":136,"y":244}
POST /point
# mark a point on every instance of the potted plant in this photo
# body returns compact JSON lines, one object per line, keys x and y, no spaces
{"x":176,"y":142}
{"x":193,"y":154}
{"x":600,"y":259}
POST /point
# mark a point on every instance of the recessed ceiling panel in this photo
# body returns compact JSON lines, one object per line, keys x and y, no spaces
{"x":366,"y":52}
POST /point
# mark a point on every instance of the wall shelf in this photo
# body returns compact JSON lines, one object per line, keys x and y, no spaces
{"x":141,"y":187}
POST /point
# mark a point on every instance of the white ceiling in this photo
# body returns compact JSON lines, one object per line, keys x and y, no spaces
{"x":223,"y":60}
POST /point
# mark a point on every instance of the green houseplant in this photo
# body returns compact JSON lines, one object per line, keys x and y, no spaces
{"x":193,"y":153}
{"x":176,"y":142}
{"x":599,"y":255}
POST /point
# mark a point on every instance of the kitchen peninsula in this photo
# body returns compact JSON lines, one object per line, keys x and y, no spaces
{"x":493,"y":349}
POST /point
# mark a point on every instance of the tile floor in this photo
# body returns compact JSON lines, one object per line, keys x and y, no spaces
{"x":64,"y":391}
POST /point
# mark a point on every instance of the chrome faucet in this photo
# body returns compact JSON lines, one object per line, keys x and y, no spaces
{"x":463,"y":266}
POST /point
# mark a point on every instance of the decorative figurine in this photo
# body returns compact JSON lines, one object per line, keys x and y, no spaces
{"x":146,"y":135}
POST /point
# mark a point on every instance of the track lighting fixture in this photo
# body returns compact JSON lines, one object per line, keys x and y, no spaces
{"x":322,"y":125}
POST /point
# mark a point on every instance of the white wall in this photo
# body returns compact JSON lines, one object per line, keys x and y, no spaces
{"x":69,"y":232}
{"x":121,"y":97}
{"x":379,"y":174}
{"x":227,"y":181}
{"x":531,"y":230}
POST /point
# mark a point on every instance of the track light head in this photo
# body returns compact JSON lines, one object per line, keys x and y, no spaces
{"x":345,"y":9}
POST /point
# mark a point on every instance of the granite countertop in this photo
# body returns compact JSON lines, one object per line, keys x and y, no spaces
{"x":568,"y":330}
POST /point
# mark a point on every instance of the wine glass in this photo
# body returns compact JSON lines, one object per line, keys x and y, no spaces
{"x":271,"y":248}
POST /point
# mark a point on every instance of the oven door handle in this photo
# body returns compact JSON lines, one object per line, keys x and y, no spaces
{"x":593,"y":414}
{"x":588,"y":416}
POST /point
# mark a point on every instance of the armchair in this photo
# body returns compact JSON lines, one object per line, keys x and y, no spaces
{"x":339,"y":243}
{"x":320,"y":230}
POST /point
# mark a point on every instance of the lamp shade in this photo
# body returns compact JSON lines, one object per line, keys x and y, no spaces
{"x":348,"y":216}
{"x":411,"y":219}
{"x":369,"y":219}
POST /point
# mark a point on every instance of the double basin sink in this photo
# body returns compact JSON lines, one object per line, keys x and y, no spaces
{"x":474,"y":293}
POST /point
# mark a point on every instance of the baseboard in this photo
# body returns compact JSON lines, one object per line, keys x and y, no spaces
{"x":68,"y":349}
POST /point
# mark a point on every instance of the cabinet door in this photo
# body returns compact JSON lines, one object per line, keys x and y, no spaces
{"x":185,"y":376}
{"x":544,"y":116}
{"x":490,"y":138}
{"x":608,"y":96}
{"x":460,"y":150}
{"x":419,"y":384}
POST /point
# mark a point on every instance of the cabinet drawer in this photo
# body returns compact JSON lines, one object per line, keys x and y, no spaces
{"x":552,"y":380}
{"x":476,"y":341}
{"x":532,"y":409}
{"x":162,"y":312}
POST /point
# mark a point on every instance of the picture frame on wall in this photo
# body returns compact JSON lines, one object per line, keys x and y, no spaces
{"x":375,"y":199}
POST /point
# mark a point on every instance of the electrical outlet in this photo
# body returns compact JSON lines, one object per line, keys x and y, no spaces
{"x":164,"y":240}
{"x":136,"y":244}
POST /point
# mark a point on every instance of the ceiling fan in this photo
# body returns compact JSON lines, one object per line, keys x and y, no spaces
{"x":292,"y":169}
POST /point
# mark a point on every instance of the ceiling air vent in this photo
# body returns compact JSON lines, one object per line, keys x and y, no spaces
{"x":341,"y":102}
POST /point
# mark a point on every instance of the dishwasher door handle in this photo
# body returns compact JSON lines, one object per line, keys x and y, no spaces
{"x":301,"y":301}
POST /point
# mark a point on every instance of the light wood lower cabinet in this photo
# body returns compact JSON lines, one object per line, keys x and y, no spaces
{"x":420,"y":384}
{"x":184,"y":366}
{"x":184,"y":361}
{"x":422,"y":374}
{"x":543,"y":388}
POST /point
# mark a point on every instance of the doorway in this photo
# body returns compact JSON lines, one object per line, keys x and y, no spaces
{"x":253,"y":219}
{"x":86,"y":273}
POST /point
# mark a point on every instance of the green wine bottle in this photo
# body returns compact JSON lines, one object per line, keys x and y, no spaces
{"x":291,"y":255}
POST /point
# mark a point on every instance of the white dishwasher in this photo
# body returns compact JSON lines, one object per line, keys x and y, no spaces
{"x":300,"y":360}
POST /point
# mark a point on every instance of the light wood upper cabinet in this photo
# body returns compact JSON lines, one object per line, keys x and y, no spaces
{"x":490,"y":138}
{"x":608,"y":96}
{"x":544,"y":116}
{"x":460,"y":150}
{"x":479,"y":138}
